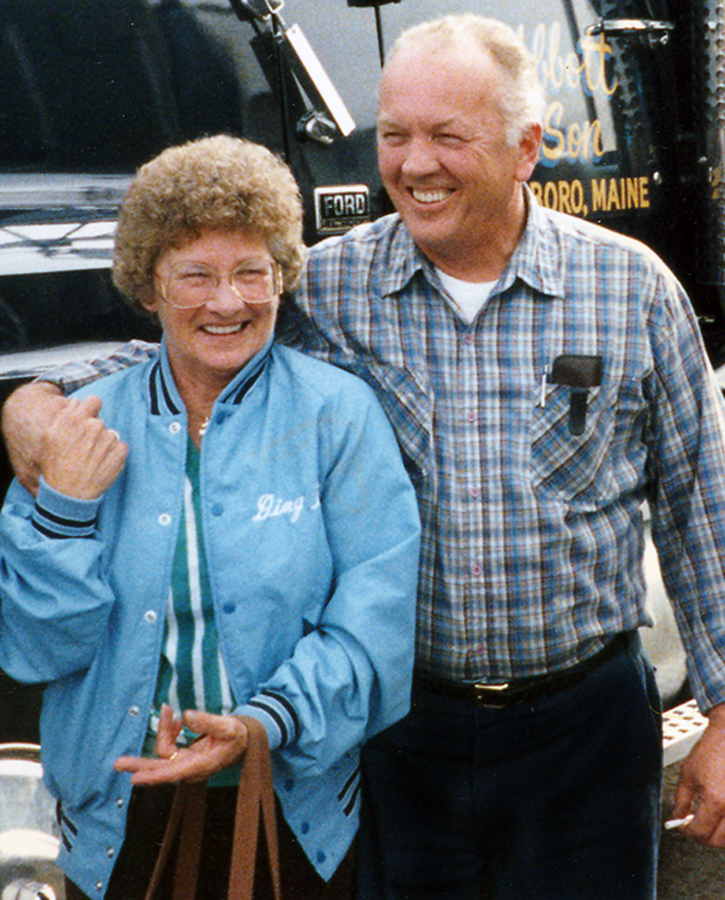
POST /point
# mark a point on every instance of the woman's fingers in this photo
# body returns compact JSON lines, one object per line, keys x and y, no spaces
{"x":221,"y":743}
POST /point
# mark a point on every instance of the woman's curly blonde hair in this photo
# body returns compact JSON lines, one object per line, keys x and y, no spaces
{"x":217,"y":183}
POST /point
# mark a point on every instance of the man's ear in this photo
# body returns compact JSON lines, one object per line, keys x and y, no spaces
{"x":528,"y":151}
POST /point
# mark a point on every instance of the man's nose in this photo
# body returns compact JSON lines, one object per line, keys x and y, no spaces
{"x":420,"y":158}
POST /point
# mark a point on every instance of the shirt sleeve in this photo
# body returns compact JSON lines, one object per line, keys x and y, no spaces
{"x":75,"y":375}
{"x":54,"y":601}
{"x":350,"y":677}
{"x":686,"y":439}
{"x":311,"y":321}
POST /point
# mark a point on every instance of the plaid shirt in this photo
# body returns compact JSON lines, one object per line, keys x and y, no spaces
{"x":533,"y":535}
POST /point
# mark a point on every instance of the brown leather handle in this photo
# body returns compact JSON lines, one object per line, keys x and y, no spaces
{"x":255,"y":810}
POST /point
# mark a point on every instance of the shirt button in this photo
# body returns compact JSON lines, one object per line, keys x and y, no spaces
{"x":229,"y":608}
{"x":305,"y":827}
{"x":476,"y":570}
{"x":119,"y":802}
{"x":475,"y":492}
{"x":175,"y":427}
{"x":99,"y":885}
{"x":150,"y":616}
{"x":288,"y":785}
{"x":469,"y":339}
{"x":134,"y":711}
{"x":110,"y":852}
{"x":217,"y":509}
{"x":471,"y":415}
{"x":164,"y":519}
{"x":321,"y":856}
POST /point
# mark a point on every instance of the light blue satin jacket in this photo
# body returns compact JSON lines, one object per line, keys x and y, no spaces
{"x":311,"y":533}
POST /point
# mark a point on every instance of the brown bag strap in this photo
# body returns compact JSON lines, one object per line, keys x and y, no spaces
{"x":255,"y":809}
{"x":186,"y":817}
{"x":188,"y":861}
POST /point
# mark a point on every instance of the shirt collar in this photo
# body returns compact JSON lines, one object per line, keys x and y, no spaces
{"x":537,"y":260}
{"x":404,"y":260}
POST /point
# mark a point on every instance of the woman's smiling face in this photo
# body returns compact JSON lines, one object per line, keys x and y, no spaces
{"x":214,"y":341}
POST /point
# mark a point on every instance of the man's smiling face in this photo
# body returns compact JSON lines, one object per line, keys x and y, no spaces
{"x":442,"y":150}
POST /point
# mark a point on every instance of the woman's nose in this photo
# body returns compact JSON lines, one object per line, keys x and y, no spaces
{"x":224,"y":298}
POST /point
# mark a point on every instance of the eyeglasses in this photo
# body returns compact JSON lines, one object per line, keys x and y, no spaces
{"x":189,"y":285}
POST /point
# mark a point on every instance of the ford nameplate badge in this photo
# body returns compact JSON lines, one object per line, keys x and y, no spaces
{"x":338,"y":209}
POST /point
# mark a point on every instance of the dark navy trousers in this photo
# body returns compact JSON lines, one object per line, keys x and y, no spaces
{"x":554,"y":799}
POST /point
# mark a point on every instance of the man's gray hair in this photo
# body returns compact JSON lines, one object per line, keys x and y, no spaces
{"x":522,"y":96}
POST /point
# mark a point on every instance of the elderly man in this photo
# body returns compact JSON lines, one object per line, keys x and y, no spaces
{"x":545,"y":378}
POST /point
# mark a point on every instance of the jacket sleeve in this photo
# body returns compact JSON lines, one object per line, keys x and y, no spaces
{"x":350,"y":677}
{"x":54,"y":602}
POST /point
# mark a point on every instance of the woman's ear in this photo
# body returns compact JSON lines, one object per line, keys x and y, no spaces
{"x":150,"y":301}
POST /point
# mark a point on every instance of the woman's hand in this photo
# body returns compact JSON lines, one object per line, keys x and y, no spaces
{"x":222,"y":742}
{"x":80,"y":457}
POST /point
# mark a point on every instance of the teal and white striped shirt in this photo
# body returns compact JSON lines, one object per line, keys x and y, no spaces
{"x":192,"y":674}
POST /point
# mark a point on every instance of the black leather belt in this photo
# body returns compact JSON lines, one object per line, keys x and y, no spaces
{"x":520,"y":690}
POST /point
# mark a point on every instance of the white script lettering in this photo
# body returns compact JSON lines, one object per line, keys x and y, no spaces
{"x":269,"y":506}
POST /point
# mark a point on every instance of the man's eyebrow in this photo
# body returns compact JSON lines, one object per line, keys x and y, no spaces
{"x":451,"y":121}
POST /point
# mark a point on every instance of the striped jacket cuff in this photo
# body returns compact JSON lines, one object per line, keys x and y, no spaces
{"x":277,"y":715}
{"x":59,"y":516}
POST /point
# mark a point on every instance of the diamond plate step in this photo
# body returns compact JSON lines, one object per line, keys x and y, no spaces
{"x":682,"y":727}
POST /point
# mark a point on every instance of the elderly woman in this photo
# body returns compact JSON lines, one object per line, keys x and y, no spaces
{"x":237,"y":537}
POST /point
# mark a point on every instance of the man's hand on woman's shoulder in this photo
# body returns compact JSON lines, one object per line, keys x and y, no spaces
{"x":27,"y":415}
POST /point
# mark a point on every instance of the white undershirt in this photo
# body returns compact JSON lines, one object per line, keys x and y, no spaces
{"x":469,"y":296}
